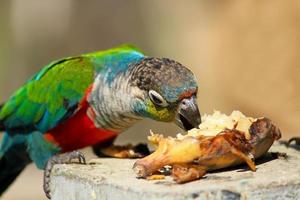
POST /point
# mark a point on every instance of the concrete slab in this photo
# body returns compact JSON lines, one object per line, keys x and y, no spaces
{"x":114,"y":179}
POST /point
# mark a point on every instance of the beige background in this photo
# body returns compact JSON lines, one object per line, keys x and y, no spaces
{"x":244,"y":53}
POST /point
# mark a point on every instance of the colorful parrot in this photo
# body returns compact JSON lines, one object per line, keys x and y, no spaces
{"x":88,"y":100}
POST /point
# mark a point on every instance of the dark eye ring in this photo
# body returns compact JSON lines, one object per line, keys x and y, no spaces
{"x":157,"y":99}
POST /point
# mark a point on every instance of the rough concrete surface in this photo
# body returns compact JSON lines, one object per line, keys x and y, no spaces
{"x":114,"y":179}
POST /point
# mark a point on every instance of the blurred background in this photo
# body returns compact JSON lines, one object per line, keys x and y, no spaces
{"x":245,"y":54}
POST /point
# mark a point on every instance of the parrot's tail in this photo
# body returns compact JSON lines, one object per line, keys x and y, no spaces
{"x":12,"y":162}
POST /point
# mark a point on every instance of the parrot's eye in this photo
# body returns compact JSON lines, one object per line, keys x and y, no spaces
{"x":157,"y":99}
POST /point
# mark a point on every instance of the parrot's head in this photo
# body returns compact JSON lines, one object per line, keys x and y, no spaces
{"x":167,"y":92}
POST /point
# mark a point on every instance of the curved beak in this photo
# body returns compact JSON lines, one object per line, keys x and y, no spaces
{"x":188,"y":115}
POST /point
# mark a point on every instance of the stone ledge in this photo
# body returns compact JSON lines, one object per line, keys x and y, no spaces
{"x":114,"y":179}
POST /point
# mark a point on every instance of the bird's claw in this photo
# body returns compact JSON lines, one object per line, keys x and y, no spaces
{"x":65,"y":158}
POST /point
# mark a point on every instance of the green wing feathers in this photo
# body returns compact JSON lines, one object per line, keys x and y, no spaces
{"x":47,"y":98}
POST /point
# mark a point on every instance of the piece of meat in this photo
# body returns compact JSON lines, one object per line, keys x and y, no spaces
{"x":192,"y":156}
